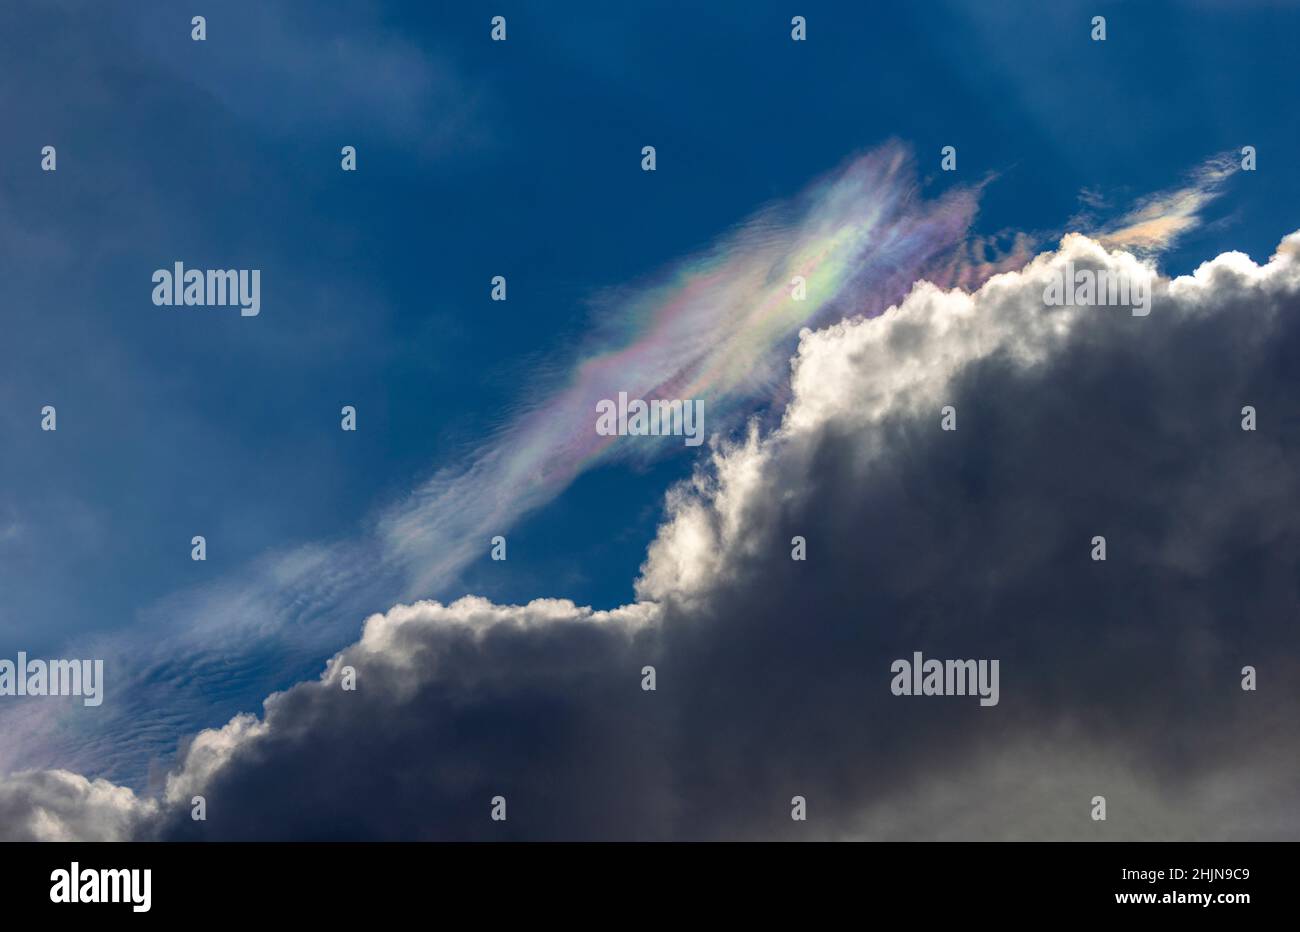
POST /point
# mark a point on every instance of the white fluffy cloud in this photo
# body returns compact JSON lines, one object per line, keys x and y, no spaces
{"x":855,"y":375}
{"x":55,"y":805}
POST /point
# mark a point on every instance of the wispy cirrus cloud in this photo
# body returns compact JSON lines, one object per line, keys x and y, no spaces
{"x":1159,"y":220}
{"x":719,"y":326}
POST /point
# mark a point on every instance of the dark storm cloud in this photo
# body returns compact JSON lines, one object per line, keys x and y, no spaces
{"x":453,"y":705}
{"x":1118,"y":678}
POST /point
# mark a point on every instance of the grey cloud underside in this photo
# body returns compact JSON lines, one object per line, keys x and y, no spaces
{"x":1118,"y":678}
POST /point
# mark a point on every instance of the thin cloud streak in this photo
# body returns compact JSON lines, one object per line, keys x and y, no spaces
{"x":1158,"y":221}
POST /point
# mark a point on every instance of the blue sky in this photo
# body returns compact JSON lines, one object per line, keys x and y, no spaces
{"x":475,"y":159}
